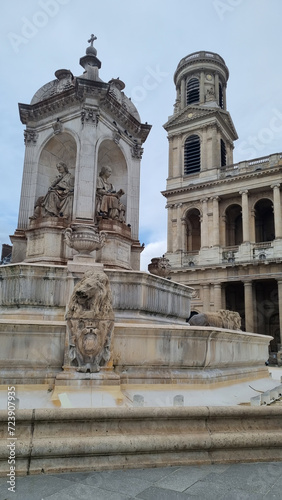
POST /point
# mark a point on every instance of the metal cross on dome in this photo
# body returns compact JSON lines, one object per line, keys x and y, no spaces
{"x":92,"y":39}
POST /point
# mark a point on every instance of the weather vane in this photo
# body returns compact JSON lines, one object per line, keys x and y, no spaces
{"x":91,"y":40}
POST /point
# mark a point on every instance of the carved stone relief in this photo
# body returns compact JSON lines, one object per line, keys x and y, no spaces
{"x":30,"y":136}
{"x":90,"y":323}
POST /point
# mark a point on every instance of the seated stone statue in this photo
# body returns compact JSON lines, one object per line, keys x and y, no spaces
{"x":59,"y":199}
{"x":108,"y":204}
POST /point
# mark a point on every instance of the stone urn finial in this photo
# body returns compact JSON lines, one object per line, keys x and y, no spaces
{"x":160,"y":266}
{"x":83,"y":238}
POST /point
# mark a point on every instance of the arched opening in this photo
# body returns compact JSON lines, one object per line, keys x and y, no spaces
{"x":61,"y":147}
{"x":222,"y":153}
{"x":193,"y":91}
{"x":233,"y":226}
{"x":110,"y":154}
{"x":193,"y":230}
{"x":264,"y":221}
{"x":192,"y":155}
{"x":220,"y":92}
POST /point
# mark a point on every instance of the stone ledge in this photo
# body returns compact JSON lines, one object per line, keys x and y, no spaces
{"x":96,"y":439}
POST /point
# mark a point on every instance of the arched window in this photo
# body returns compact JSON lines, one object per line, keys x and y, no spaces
{"x":234,"y":230}
{"x":193,"y":91}
{"x":222,"y":153}
{"x":220,"y":93}
{"x":264,"y":221}
{"x":192,"y":155}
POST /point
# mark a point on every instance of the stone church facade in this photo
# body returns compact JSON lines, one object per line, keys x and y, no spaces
{"x":224,"y":219}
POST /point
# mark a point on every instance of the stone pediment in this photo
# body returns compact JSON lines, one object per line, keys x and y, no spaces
{"x":198,"y":113}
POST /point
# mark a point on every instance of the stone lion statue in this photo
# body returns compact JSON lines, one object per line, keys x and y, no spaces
{"x":220,"y":319}
{"x":90,"y":323}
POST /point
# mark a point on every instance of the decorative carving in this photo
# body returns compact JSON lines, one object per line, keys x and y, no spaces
{"x":137,"y":151}
{"x":90,"y":116}
{"x":177,"y":106}
{"x":228,"y":256}
{"x":117,"y":137}
{"x":159,"y":266}
{"x":108,"y":204}
{"x":90,"y":323}
{"x":57,"y":127}
{"x":30,"y":136}
{"x":219,"y":319}
{"x":83,"y":238}
{"x":210,"y":94}
{"x":59,"y":198}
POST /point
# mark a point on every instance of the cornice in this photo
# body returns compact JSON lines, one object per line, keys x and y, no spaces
{"x":76,"y":96}
{"x":221,"y":116}
{"x":192,"y":187}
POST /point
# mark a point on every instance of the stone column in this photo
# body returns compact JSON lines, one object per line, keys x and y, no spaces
{"x":28,"y":192}
{"x":180,"y":161}
{"x":216,"y":87}
{"x":277,"y":210}
{"x":179,"y":227}
{"x":183,"y":93}
{"x":279,"y":282}
{"x":215,"y":148}
{"x":217,"y":296}
{"x":249,"y":306}
{"x":245,"y":215}
{"x":169,"y":228}
{"x":204,"y":151}
{"x":206,"y":298}
{"x":224,"y":97}
{"x":170,"y":156}
{"x":252,"y":226}
{"x":202,"y":87}
{"x":215,"y":201}
{"x":204,"y":223}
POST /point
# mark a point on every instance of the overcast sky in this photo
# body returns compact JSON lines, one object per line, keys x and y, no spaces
{"x":134,"y":40}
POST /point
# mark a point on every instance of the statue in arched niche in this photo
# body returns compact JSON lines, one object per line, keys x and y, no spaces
{"x":108,"y":204}
{"x":58,"y":200}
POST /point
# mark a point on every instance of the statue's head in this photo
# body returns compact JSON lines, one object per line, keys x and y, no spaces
{"x":105,"y":171}
{"x":62,"y":167}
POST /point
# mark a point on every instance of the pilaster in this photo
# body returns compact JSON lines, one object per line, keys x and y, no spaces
{"x":245,"y":215}
{"x":277,"y":210}
{"x":249,"y":306}
{"x":204,"y":223}
{"x":84,"y":206}
{"x":217,"y":296}
{"x":206,"y":297}
{"x":215,"y":202}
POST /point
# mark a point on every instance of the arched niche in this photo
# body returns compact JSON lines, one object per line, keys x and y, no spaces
{"x":109,"y":154}
{"x":233,"y":228}
{"x":61,"y":147}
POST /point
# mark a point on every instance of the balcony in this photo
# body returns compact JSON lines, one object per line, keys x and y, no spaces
{"x":253,"y":165}
{"x":247,"y":253}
